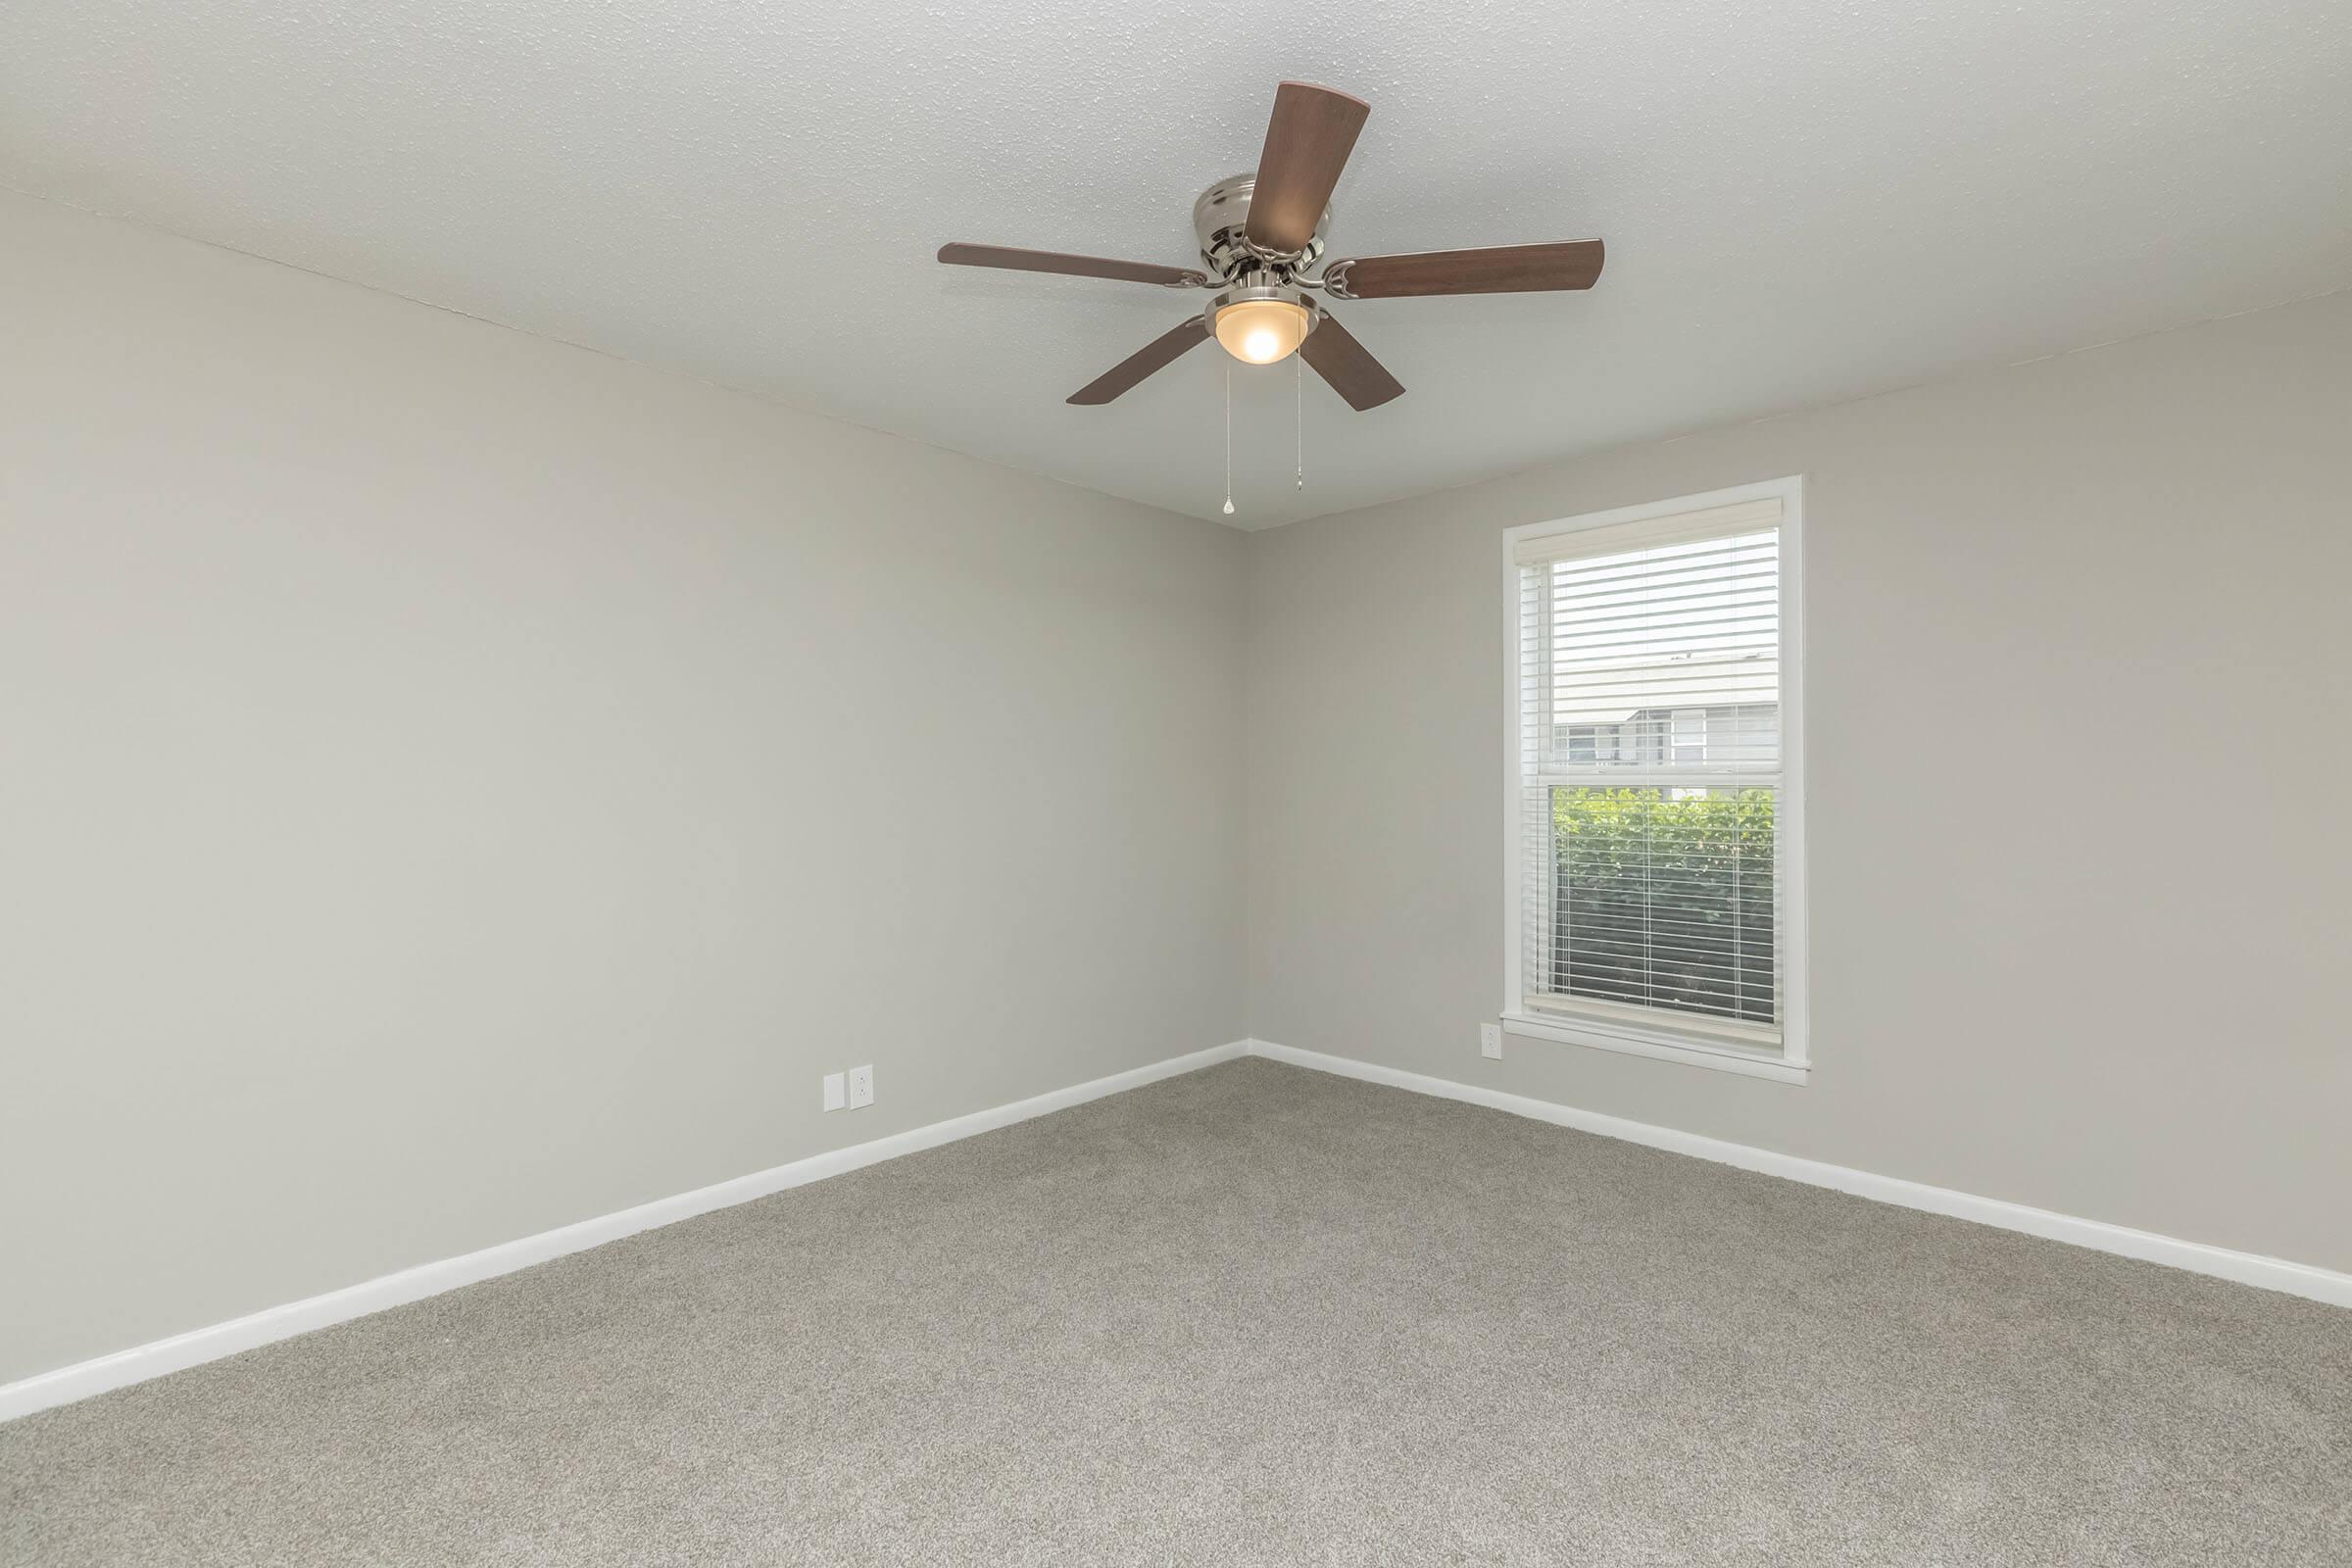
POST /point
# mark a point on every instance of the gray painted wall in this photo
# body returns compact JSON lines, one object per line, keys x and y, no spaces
{"x":2109,"y":981}
{"x":456,"y":784}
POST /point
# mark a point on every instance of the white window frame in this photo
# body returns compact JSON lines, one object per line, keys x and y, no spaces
{"x":1644,"y":1035}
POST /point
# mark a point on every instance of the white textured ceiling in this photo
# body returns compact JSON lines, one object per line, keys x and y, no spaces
{"x":1803,"y":201}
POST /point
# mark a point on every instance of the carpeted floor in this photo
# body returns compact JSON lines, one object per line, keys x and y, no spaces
{"x":1252,"y":1315}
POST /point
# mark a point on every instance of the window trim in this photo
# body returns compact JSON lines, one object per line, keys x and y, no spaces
{"x":1693,"y":1044}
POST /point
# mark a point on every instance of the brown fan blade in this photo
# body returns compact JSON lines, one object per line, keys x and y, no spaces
{"x":1494,"y":270}
{"x":1308,"y":142}
{"x":1349,"y":367}
{"x":1157,"y":354}
{"x":1020,"y":260}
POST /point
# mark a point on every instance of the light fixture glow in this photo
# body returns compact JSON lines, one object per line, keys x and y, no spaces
{"x":1261,"y":331}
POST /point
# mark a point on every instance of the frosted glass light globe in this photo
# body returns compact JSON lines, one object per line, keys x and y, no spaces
{"x":1261,"y":331}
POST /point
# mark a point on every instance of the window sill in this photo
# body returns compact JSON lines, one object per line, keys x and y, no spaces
{"x":1635,"y":1041}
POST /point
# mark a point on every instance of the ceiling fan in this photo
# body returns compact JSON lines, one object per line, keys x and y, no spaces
{"x":1261,"y":233}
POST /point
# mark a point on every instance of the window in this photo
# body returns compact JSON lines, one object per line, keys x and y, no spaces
{"x":1655,"y":862}
{"x":1690,"y":735}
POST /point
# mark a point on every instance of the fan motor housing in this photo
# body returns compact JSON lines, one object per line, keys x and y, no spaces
{"x":1218,"y":218}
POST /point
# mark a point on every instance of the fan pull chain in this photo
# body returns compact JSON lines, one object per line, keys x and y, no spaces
{"x":1298,"y":417}
{"x":1229,"y":440}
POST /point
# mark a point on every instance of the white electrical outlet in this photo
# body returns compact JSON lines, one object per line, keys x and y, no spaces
{"x":837,"y":1091}
{"x":1489,"y":1040}
{"x":862,"y":1087}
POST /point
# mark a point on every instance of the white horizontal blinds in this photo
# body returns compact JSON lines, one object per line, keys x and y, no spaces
{"x":1650,"y":763}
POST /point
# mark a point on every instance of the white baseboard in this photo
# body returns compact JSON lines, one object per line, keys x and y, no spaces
{"x":143,"y":1361}
{"x":2246,"y":1268}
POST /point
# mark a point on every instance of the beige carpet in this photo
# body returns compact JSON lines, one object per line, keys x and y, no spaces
{"x":1255,"y":1315}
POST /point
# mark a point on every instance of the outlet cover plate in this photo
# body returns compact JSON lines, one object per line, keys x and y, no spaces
{"x":837,"y":1091}
{"x":862,"y":1087}
{"x":1489,"y":1040}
